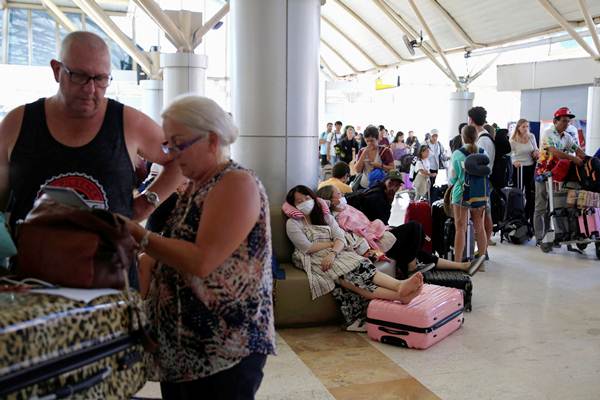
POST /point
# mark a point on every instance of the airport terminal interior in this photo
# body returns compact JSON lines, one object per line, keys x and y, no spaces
{"x":358,"y":105}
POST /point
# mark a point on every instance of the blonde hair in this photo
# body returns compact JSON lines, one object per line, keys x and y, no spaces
{"x":516,"y":132}
{"x":203,"y":115}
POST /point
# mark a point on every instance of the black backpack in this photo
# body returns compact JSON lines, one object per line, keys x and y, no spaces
{"x":502,"y":168}
{"x":588,"y":174}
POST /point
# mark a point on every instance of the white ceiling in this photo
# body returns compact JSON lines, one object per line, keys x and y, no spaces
{"x":485,"y":23}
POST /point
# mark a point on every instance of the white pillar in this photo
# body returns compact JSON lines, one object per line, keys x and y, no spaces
{"x":183,"y":73}
{"x":275,"y":78}
{"x":592,"y":135}
{"x":152,"y":98}
{"x":460,"y":103}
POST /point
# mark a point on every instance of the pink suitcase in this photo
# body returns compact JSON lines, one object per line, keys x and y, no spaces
{"x":429,"y":318}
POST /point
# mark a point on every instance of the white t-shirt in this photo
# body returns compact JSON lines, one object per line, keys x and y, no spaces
{"x":338,"y":137}
{"x":419,"y":165}
{"x":487,"y":144}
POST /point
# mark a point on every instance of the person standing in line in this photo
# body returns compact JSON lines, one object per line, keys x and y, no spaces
{"x":477,"y":119}
{"x":333,"y":141}
{"x":555,"y":144}
{"x":348,"y":146}
{"x":524,"y":155}
{"x":323,"y":143}
{"x":437,"y":156}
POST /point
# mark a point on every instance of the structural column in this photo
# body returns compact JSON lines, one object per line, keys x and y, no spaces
{"x":460,"y":103}
{"x":183,"y":73}
{"x":592,"y":135}
{"x":152,"y":98}
{"x":275,"y":78}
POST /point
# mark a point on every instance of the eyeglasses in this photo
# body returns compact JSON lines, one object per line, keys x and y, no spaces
{"x":178,"y":148}
{"x":102,"y":81}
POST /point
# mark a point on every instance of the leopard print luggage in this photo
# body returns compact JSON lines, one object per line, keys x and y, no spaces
{"x":54,"y":347}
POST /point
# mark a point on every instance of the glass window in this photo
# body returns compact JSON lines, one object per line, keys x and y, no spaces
{"x":18,"y":38}
{"x":43,"y":38}
{"x":1,"y":35}
{"x":75,"y":18}
{"x":119,"y":58}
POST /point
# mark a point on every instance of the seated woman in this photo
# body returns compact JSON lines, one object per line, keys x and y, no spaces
{"x":405,"y":249}
{"x":322,"y":251}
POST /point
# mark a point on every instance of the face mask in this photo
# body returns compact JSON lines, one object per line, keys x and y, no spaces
{"x":342,"y":202}
{"x":306,"y":207}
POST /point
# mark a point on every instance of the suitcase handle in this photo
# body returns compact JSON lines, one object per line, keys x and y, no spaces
{"x":393,"y":331}
{"x":70,"y":390}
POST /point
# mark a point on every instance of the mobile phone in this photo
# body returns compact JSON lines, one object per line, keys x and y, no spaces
{"x":65,"y":195}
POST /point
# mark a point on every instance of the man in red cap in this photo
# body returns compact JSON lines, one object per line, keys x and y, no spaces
{"x":556,"y":143}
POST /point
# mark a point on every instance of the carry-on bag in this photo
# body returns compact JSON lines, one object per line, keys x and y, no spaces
{"x":438,"y":218}
{"x":453,"y":279}
{"x":420,"y":211}
{"x":448,"y":237}
{"x":427,"y":319}
{"x":55,"y":347}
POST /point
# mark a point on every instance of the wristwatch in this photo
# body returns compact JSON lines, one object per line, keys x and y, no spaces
{"x":151,"y":197}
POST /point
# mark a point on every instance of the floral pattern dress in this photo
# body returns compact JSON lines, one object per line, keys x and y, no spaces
{"x":207,"y":325}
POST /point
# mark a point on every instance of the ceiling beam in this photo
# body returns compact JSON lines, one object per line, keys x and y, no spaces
{"x":59,"y":16}
{"x":482,"y":70}
{"x":436,"y":45}
{"x":337,"y":53}
{"x":331,"y":71}
{"x":392,"y":15}
{"x":204,"y":29}
{"x":590,"y":23}
{"x":160,"y":18}
{"x":408,"y":29}
{"x":567,"y":26}
{"x":93,"y":10}
{"x":456,"y":26}
{"x":360,"y":49}
{"x":373,"y":31}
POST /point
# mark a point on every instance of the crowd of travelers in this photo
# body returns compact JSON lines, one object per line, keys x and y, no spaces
{"x":363,"y":171}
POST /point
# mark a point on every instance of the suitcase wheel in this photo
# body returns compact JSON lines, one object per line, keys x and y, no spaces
{"x":393,"y":341}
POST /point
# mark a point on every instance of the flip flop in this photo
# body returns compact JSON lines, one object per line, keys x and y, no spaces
{"x":475,"y":265}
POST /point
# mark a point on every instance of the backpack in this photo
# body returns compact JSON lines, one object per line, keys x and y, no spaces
{"x":588,"y":174}
{"x":375,"y":176}
{"x":405,"y":163}
{"x":476,"y":189}
{"x":517,"y":232}
{"x":502,"y":167}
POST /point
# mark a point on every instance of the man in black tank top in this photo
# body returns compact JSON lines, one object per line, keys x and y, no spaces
{"x":80,"y":139}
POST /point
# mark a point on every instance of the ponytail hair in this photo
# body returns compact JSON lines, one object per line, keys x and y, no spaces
{"x":469,"y":137}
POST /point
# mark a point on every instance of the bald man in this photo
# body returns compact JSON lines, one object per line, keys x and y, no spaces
{"x":80,"y":139}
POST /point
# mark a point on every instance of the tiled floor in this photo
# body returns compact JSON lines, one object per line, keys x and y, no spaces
{"x":534,"y":333}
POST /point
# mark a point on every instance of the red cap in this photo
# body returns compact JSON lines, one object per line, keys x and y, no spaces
{"x":563,"y":112}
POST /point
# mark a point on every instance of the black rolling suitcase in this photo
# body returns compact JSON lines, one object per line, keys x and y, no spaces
{"x":438,"y":220}
{"x":453,"y":279}
{"x":53,"y":347}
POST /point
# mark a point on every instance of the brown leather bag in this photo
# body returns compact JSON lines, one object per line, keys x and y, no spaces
{"x":74,"y":247}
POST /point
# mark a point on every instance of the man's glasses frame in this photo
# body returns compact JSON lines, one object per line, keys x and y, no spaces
{"x":78,"y":78}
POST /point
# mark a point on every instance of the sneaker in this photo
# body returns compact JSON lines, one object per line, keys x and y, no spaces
{"x":357,"y":326}
{"x":491,"y":242}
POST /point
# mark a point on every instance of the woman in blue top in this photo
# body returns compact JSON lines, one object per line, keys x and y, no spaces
{"x":459,"y":207}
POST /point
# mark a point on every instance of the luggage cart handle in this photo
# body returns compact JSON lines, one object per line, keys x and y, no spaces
{"x":70,"y":390}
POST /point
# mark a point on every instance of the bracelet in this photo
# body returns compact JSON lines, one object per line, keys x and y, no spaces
{"x":145,"y":241}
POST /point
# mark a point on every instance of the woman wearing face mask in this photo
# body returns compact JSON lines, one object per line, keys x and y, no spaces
{"x":407,"y":240}
{"x":322,"y":251}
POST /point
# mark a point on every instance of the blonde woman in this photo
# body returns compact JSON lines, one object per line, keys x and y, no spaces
{"x":524,"y":154}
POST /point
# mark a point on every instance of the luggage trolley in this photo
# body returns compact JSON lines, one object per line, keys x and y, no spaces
{"x":557,"y":190}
